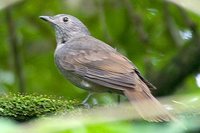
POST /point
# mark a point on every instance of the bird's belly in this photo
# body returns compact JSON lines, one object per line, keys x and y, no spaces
{"x":78,"y":81}
{"x":81,"y":82}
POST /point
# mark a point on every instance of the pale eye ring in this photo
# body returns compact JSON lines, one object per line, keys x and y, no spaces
{"x":65,"y":19}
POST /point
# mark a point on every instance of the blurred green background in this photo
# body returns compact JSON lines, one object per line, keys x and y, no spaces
{"x":150,"y":33}
{"x":161,"y":38}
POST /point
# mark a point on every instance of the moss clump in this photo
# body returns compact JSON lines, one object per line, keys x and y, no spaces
{"x":25,"y":107}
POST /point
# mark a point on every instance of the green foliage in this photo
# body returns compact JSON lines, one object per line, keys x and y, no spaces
{"x":109,"y":21}
{"x":23,"y":108}
{"x":98,"y":120}
{"x":108,"y":127}
{"x":81,"y":125}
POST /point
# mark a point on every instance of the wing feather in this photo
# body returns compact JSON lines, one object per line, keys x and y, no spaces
{"x":100,"y":64}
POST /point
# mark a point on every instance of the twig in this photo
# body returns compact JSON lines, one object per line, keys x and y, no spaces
{"x":103,"y":21}
{"x":15,"y":50}
{"x":171,"y":26}
{"x":188,"y":22}
{"x":136,"y":21}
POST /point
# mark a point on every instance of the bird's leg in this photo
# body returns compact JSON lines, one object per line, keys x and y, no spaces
{"x":84,"y":102}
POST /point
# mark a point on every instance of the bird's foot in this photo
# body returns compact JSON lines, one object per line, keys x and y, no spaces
{"x":85,"y":101}
{"x":86,"y":105}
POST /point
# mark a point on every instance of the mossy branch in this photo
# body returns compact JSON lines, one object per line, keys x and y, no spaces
{"x":23,"y":108}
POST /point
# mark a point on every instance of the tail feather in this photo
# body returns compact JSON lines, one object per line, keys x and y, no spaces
{"x":148,"y":106}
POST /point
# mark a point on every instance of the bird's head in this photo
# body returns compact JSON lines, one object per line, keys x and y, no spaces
{"x":66,"y":27}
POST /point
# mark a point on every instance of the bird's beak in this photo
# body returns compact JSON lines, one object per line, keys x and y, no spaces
{"x":47,"y":18}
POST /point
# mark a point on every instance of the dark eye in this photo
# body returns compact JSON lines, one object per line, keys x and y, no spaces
{"x":65,"y":19}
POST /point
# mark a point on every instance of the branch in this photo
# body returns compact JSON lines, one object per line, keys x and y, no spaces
{"x":6,"y":3}
{"x":182,"y":65}
{"x":136,"y":21}
{"x":102,"y":19}
{"x":171,"y":26}
{"x":138,"y":25}
{"x":15,"y":50}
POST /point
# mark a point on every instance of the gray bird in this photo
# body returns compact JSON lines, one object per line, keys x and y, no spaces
{"x":97,"y":67}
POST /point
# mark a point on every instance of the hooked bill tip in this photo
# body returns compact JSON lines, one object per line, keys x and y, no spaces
{"x":45,"y":18}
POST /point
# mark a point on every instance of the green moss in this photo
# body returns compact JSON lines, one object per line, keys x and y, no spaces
{"x":26,"y":107}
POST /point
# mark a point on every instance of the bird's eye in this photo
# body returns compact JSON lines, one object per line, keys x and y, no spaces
{"x":65,"y":19}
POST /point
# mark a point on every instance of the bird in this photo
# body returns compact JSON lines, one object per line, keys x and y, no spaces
{"x":95,"y":66}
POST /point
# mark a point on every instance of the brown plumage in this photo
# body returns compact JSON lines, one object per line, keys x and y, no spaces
{"x":95,"y":66}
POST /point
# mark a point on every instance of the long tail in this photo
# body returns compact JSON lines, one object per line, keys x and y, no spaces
{"x":148,"y":106}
